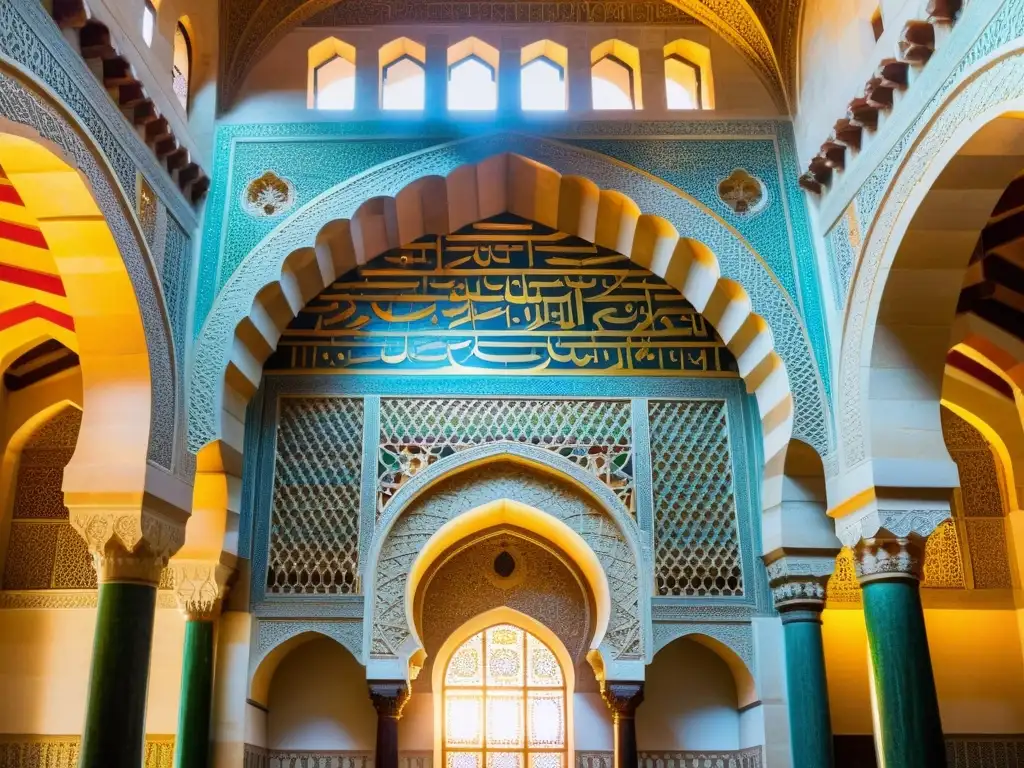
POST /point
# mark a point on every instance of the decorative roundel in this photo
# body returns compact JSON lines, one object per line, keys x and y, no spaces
{"x":743,"y":193}
{"x":268,"y":195}
{"x":507,"y":566}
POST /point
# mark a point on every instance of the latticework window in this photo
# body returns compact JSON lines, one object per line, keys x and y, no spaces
{"x":314,"y":536}
{"x":416,"y":432}
{"x":504,"y":703}
{"x":697,"y":544}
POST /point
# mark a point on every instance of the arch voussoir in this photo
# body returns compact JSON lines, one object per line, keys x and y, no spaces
{"x":495,"y":184}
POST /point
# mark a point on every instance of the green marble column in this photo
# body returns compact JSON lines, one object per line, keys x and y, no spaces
{"x":810,"y":725}
{"x":192,"y":746}
{"x":908,"y":728}
{"x":115,"y":721}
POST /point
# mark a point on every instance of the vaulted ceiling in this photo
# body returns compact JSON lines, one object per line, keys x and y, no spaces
{"x":763,"y":31}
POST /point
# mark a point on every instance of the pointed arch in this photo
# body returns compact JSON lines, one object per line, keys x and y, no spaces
{"x":895,"y":342}
{"x":278,"y":279}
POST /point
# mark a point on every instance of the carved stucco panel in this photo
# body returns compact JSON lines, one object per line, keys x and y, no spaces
{"x":469,"y":490}
{"x":736,"y":261}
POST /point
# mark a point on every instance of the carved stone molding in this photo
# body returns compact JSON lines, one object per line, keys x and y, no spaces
{"x":894,"y":513}
{"x":623,"y":698}
{"x":889,"y":557}
{"x":200,"y":587}
{"x":389,"y":697}
{"x":798,"y":581}
{"x":129,"y":545}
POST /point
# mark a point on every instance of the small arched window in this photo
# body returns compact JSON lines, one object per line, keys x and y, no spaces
{"x":181,"y":70}
{"x":543,"y":77}
{"x":472,"y":76}
{"x":148,"y":21}
{"x":332,"y":75}
{"x":688,"y":80}
{"x":504,"y":703}
{"x":614,"y":76}
{"x":403,"y":82}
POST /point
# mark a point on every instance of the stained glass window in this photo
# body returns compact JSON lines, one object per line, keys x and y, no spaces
{"x":504,"y":703}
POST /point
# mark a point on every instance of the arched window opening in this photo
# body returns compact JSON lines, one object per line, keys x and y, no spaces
{"x":182,"y":68}
{"x":613,"y":84}
{"x":472,"y":76}
{"x":335,"y":84}
{"x":148,"y":21}
{"x":688,"y":79}
{"x":332,"y":75}
{"x":615,"y":79}
{"x":504,"y":702}
{"x":682,"y":83}
{"x":403,"y":81}
{"x":542,"y":77}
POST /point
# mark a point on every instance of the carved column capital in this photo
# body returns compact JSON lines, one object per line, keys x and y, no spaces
{"x":129,"y":544}
{"x":623,"y":698}
{"x":389,"y":697}
{"x":889,"y":557}
{"x":200,"y":587}
{"x":891,"y":513}
{"x":798,"y":580}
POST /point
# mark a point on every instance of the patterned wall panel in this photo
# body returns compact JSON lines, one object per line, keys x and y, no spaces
{"x":541,"y":584}
{"x":595,"y":434}
{"x":697,"y":542}
{"x":981,"y":501}
{"x":314,"y":537}
{"x":44,"y":551}
{"x":35,"y":751}
{"x":174,"y":276}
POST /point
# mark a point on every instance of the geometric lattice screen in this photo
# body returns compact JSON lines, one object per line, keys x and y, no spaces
{"x":697,"y":547}
{"x":314,"y":534}
{"x":594,"y":434}
{"x":44,"y":551}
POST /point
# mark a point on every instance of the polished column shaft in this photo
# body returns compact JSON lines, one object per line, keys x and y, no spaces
{"x":192,"y":746}
{"x":389,"y":698}
{"x":908,"y":731}
{"x":115,"y":722}
{"x":622,"y":699}
{"x":810,"y":725}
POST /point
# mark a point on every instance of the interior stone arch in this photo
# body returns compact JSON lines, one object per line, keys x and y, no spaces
{"x":507,"y":480}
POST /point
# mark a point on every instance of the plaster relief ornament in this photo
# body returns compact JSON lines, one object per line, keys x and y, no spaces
{"x":743,"y":193}
{"x":268,"y":195}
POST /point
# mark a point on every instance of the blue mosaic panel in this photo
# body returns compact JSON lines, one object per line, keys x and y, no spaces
{"x":502,"y":296}
{"x":312,"y":167}
{"x":779,"y":232}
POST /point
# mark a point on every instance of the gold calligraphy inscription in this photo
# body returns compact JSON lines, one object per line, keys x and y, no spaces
{"x":501,"y":296}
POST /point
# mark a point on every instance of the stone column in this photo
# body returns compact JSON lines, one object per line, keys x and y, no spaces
{"x":622,"y":699}
{"x":908,"y":728}
{"x":798,"y":587}
{"x":436,"y":73}
{"x":509,"y":78}
{"x":579,"y":89}
{"x":130,"y":548}
{"x":887,"y":529}
{"x":200,"y":589}
{"x":389,"y":698}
